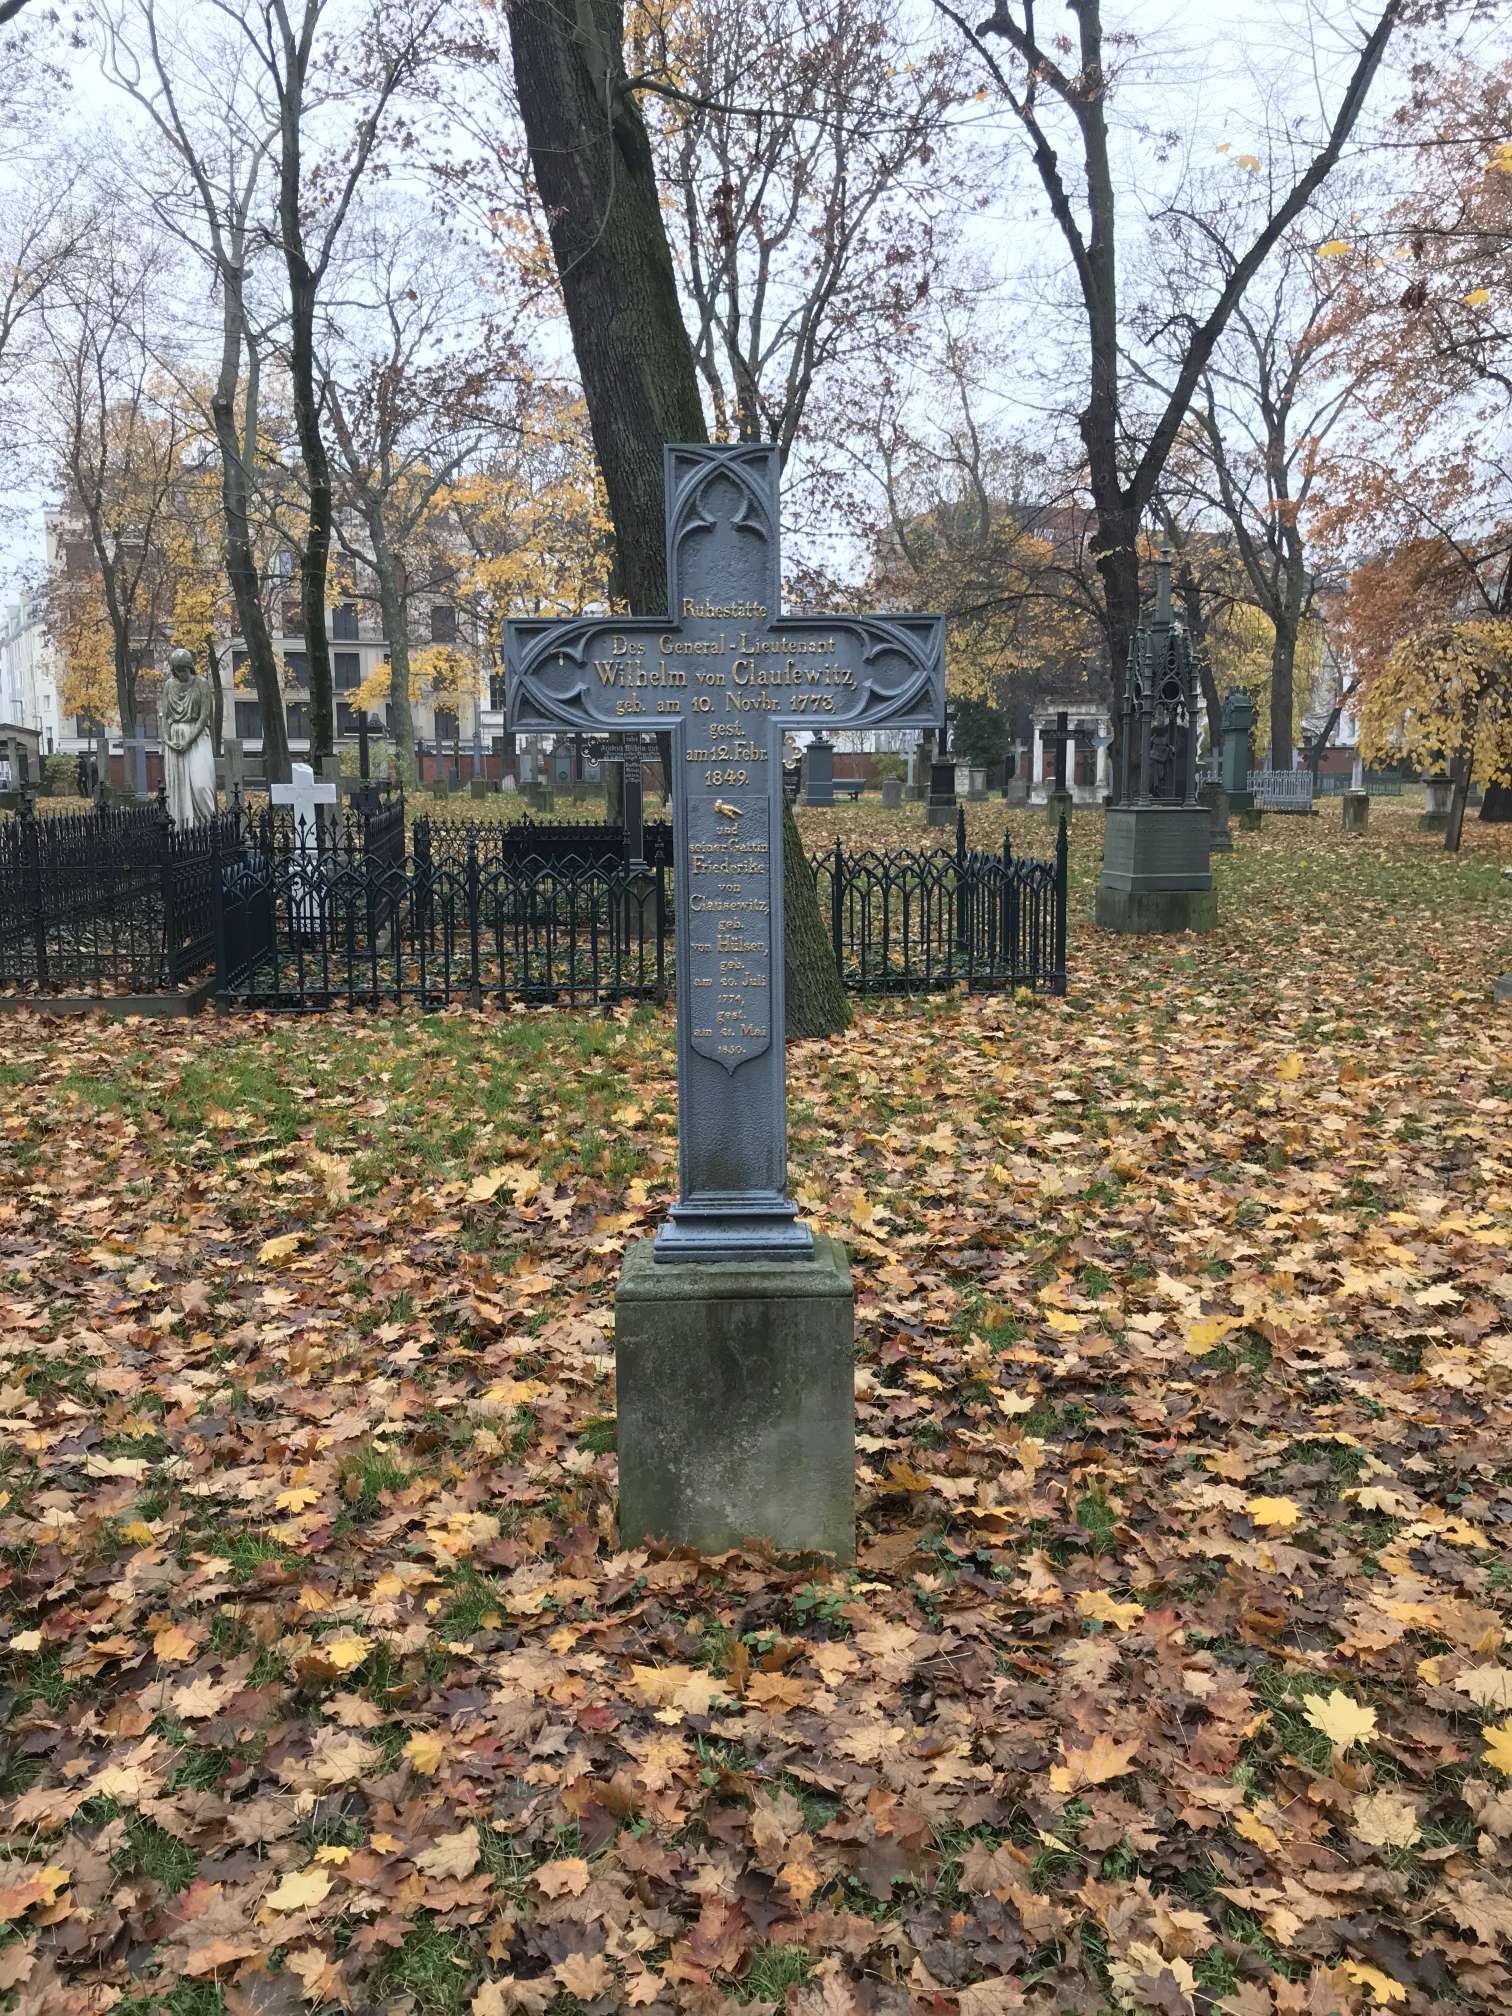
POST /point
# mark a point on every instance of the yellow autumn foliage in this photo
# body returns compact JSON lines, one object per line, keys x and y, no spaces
{"x":1445,"y":692}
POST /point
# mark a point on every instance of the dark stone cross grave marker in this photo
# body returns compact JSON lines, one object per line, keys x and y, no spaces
{"x":625,"y":750}
{"x":736,"y":1416}
{"x":134,"y":749}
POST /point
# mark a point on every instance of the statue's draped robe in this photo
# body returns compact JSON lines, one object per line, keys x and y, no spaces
{"x":188,"y":755}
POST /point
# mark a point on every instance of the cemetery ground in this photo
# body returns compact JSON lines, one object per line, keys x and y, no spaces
{"x":1173,"y":1674}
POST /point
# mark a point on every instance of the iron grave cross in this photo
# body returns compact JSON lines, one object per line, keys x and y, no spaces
{"x":726,"y":675}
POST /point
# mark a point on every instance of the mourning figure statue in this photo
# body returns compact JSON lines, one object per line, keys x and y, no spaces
{"x":188,"y":751}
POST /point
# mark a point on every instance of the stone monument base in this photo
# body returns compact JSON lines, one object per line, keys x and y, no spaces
{"x":1356,"y":811}
{"x":478,"y":787}
{"x":1059,"y":805}
{"x":736,"y":1409}
{"x":1433,"y":822}
{"x":1156,"y":874}
{"x":940,"y":812}
{"x":1250,"y":817}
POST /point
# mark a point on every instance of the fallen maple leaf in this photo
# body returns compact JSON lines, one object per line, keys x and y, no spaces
{"x":1340,"y":1718}
{"x":1102,"y":1608}
{"x":1384,"y":1820}
{"x":174,"y":1645}
{"x":281,"y":1247}
{"x":1102,"y":1760}
{"x":345,"y":1651}
{"x":451,"y":1854}
{"x":1280,"y":1512}
{"x":1382,"y":1988}
{"x":300,"y":1890}
{"x":585,"y":1975}
{"x":566,"y":1877}
{"x":425,"y":1750}
{"x":1498,"y":1741}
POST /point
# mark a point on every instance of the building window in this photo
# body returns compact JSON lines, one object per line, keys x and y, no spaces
{"x":344,"y":623}
{"x":496,"y":691}
{"x":1086,"y":765}
{"x":299,"y":721}
{"x":346,"y":670}
{"x":248,"y":721}
{"x":446,"y":725}
{"x":443,"y":624}
{"x":297,"y":664}
{"x":238,"y":659}
{"x":346,"y":718}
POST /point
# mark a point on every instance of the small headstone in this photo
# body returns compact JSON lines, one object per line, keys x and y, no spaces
{"x":477,"y":787}
{"x":892,"y":794}
{"x":976,"y":784}
{"x":1212,"y":794}
{"x":1438,"y":799}
{"x":941,"y":808}
{"x":819,"y":772}
{"x":1234,"y":769}
{"x":1356,"y":816}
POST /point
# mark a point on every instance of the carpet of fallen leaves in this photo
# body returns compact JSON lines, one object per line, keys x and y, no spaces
{"x":1174,"y":1672}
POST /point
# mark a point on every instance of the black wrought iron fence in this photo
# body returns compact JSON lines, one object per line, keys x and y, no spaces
{"x":450,"y":920}
{"x":910,"y":923}
{"x":114,"y":901}
{"x":367,"y":907}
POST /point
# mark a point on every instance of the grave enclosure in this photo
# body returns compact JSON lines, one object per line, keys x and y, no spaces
{"x":735,"y":1313}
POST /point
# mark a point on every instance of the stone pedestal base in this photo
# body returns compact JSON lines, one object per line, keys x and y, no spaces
{"x":1250,"y":818}
{"x":478,"y":787}
{"x":914,"y":794}
{"x":1059,"y":805}
{"x":936,"y":814}
{"x":1156,"y":875}
{"x":736,"y":1403}
{"x":1147,"y":911}
{"x":1433,"y":822}
{"x":892,"y":793}
{"x":1356,"y":811}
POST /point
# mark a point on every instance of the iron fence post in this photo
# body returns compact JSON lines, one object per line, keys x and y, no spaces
{"x":31,"y":841}
{"x":962,"y":894}
{"x":1062,"y":848}
{"x":474,"y":907}
{"x":218,"y":908}
{"x":169,"y":960}
{"x":837,"y":908}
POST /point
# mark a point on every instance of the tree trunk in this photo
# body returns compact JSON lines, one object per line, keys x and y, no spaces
{"x":1282,"y":700}
{"x":315,"y":560}
{"x":395,"y":611}
{"x":1459,"y":777}
{"x":1496,"y":807}
{"x":241,"y":556}
{"x":218,"y":693}
{"x":816,"y":1003}
{"x":594,"y":171}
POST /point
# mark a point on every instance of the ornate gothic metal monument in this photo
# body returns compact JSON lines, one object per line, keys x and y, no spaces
{"x":1156,"y":873}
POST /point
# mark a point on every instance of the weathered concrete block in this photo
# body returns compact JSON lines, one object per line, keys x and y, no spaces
{"x":1059,"y":805}
{"x":478,"y":787}
{"x":892,"y":793}
{"x":736,"y":1406}
{"x":1143,"y":911}
{"x":1250,"y":817}
{"x":1356,"y":815}
{"x":1216,"y":799}
{"x":1433,"y":822}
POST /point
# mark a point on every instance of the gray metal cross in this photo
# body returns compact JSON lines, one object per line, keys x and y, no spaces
{"x":725,"y":676}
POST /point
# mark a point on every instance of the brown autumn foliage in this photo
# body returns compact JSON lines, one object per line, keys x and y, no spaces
{"x":1174,"y":1673}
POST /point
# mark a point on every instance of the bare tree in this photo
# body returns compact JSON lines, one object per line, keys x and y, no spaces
{"x":1272,"y":392}
{"x":218,"y":134}
{"x":409,"y":410}
{"x":1045,"y":74}
{"x":115,"y":444}
{"x":801,"y":144}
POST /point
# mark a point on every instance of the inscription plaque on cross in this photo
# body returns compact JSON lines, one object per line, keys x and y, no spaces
{"x":725,"y":675}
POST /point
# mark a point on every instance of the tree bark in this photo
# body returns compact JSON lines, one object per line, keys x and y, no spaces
{"x":241,"y":555}
{"x":816,"y":1000}
{"x":1282,"y":693}
{"x":593,"y":167}
{"x":387,"y":568}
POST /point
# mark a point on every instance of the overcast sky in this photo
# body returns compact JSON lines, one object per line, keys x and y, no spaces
{"x":1214,"y":73}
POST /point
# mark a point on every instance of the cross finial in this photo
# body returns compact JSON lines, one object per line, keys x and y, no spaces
{"x":1163,"y":585}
